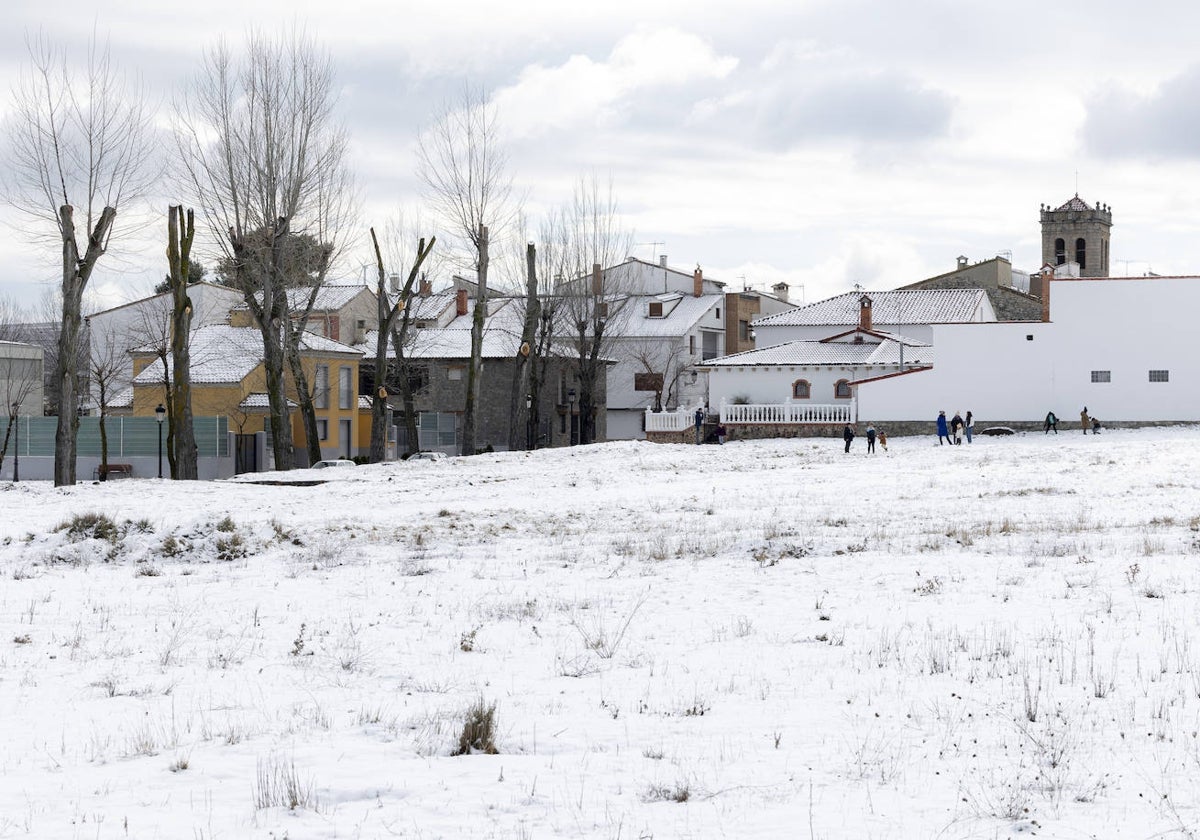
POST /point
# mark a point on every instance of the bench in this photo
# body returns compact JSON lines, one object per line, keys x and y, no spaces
{"x":104,"y":473}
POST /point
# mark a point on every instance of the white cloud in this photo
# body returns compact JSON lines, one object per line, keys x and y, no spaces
{"x":581,"y":91}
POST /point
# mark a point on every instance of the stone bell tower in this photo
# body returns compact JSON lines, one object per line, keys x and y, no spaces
{"x":1077,"y":233}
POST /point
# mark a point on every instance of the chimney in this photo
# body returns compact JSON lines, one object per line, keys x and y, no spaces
{"x":460,"y":302}
{"x":597,"y":280}
{"x":426,"y":288}
{"x":1046,"y":276}
{"x":662,"y":261}
{"x":394,"y":282}
{"x":962,"y":262}
{"x":698,"y":282}
{"x":864,"y":313}
{"x":781,"y":291}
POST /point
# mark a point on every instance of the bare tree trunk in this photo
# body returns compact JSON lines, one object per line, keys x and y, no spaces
{"x":270,"y":314}
{"x":76,"y":272}
{"x":520,"y":433}
{"x":474,"y":365}
{"x":183,"y":453}
{"x":387,"y":316}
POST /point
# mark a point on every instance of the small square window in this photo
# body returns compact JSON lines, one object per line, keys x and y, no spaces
{"x":1029,"y":338}
{"x":1160,"y":376}
{"x":1102,"y":376}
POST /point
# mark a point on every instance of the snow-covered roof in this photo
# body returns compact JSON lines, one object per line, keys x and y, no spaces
{"x":329,"y":297}
{"x":631,"y":318}
{"x":901,"y":306}
{"x":828,"y":353}
{"x":224,"y":355}
{"x":259,"y":402}
{"x":1075,"y":203}
{"x":430,"y":308}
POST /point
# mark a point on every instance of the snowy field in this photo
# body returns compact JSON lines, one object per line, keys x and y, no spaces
{"x":761,"y":640}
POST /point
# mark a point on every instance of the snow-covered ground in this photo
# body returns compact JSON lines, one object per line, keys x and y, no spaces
{"x":768,"y":639}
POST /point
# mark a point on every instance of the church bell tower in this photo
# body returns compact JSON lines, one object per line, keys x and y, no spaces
{"x":1077,"y":233}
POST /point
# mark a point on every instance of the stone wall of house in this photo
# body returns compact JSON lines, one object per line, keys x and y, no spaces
{"x":442,"y":393}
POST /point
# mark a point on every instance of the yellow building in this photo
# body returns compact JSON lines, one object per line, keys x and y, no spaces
{"x":229,"y":378}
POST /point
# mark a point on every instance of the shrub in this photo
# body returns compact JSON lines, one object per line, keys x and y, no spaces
{"x":479,"y":731}
{"x":94,"y":526}
{"x":226,"y":525}
{"x":232,"y":547}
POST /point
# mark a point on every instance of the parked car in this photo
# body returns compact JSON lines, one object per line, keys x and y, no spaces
{"x":427,"y":456}
{"x":337,"y":462}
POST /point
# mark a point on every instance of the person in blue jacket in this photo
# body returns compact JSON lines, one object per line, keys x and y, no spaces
{"x":943,"y":429}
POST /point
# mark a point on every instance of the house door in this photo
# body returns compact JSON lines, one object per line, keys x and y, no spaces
{"x":245,"y":455}
{"x":344,"y":448}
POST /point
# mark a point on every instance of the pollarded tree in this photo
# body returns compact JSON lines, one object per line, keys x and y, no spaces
{"x":76,"y":141}
{"x":261,"y":147}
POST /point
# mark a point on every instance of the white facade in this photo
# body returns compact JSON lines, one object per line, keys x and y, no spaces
{"x":671,"y":344}
{"x":21,"y":379}
{"x":1121,"y":329}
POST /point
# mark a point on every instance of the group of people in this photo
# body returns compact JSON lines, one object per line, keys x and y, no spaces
{"x":951,"y":431}
{"x":1086,"y":421}
{"x":872,"y":435}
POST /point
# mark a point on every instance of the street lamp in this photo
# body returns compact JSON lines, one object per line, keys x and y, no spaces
{"x":16,"y":407}
{"x":160,"y":414}
{"x":529,"y":421}
{"x":571,"y":401}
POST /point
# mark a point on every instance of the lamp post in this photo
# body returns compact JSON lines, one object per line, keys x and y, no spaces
{"x":529,"y":421}
{"x":160,"y":414}
{"x":571,"y":402}
{"x":16,"y":407}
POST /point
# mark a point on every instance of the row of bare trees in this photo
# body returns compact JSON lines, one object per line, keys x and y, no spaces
{"x":259,"y":151}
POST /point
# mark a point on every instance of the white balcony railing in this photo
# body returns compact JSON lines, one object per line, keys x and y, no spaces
{"x":670,"y":421}
{"x":784,"y":413}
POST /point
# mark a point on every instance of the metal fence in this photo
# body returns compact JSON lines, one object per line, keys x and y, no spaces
{"x":127,"y":436}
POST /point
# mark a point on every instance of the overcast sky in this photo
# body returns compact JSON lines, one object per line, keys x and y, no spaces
{"x":820,"y":143}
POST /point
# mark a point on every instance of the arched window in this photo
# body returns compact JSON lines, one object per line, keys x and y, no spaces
{"x":1060,"y":251}
{"x":1081,"y":253}
{"x":841,"y":390}
{"x":801,"y":390}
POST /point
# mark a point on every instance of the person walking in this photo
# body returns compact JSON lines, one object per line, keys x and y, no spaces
{"x":943,"y":431}
{"x":699,"y":425}
{"x":883,"y":439}
{"x":848,"y":436}
{"x":956,"y":426}
{"x":969,"y":426}
{"x":1051,"y":422}
{"x":870,"y":438}
{"x":1084,"y":420}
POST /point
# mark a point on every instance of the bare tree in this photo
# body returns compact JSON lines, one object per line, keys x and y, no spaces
{"x":589,"y":308}
{"x":108,"y":365}
{"x":260,"y":146}
{"x":667,"y":361}
{"x":388,"y":312}
{"x":76,"y":141}
{"x":464,"y":168}
{"x":181,"y":434}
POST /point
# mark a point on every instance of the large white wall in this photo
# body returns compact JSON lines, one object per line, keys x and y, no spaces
{"x":1127,"y":326}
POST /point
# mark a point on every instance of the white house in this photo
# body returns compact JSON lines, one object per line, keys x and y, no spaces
{"x":21,"y":379}
{"x":658,"y":343}
{"x":812,"y":378}
{"x":1123,"y":347}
